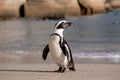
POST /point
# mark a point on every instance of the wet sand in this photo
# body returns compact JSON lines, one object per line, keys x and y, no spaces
{"x":18,"y":68}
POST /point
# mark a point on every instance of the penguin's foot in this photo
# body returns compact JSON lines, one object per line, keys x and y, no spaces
{"x":60,"y":70}
{"x":63,"y":69}
{"x":72,"y":69}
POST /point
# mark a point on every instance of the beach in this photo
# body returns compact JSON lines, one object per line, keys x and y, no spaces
{"x":17,"y":67}
{"x":46,"y":72}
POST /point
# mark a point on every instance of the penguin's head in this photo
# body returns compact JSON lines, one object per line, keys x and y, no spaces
{"x":62,"y":24}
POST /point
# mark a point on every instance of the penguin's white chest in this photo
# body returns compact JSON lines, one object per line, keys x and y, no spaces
{"x":56,"y":51}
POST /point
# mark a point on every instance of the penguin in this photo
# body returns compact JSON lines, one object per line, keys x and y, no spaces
{"x":59,"y":48}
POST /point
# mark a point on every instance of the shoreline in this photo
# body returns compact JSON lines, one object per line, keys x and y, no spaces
{"x":87,"y":58}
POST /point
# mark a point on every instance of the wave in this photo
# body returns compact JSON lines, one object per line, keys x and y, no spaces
{"x":98,"y":57}
{"x":97,"y":54}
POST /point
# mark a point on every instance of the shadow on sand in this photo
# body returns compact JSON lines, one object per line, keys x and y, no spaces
{"x":42,"y":71}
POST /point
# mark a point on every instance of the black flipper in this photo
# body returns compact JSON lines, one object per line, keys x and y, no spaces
{"x":45,"y":52}
{"x":67,"y":51}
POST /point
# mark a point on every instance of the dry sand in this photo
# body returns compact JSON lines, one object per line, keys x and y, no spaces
{"x":45,"y":71}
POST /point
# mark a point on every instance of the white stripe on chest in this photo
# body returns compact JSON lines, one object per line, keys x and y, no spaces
{"x":56,"y":52}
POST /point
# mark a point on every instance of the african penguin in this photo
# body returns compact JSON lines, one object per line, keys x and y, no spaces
{"x":59,"y":48}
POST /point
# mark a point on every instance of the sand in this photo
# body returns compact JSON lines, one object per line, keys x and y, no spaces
{"x":45,"y":71}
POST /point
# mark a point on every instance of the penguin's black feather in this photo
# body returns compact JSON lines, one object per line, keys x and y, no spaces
{"x":45,"y":52}
{"x":68,"y":54}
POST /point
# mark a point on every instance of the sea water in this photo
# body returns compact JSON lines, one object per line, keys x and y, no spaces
{"x":94,"y":38}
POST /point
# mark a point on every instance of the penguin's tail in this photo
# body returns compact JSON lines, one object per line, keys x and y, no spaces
{"x":71,"y":66}
{"x":72,"y":69}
